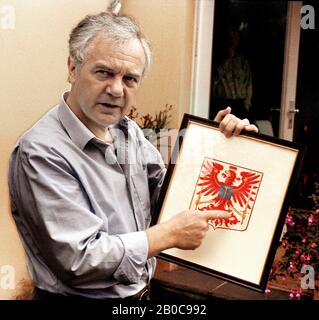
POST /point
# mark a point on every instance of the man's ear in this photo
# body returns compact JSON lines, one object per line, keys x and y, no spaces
{"x":71,"y":70}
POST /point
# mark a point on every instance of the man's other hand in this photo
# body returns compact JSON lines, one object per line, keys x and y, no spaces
{"x":230,"y":125}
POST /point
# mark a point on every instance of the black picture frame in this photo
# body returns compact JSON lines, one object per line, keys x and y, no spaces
{"x":271,"y":165}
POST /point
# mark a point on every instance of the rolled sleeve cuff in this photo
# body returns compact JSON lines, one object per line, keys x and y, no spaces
{"x":134,"y":259}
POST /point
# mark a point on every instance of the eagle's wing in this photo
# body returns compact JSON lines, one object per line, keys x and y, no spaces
{"x":208,"y":181}
{"x":246,"y":188}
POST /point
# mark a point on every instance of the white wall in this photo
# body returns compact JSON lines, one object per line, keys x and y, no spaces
{"x":169,"y":25}
{"x":33,"y":55}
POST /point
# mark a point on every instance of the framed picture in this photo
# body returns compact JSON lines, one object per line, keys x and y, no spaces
{"x":250,"y":176}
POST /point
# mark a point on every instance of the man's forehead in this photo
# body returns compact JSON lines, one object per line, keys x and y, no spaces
{"x":129,"y":51}
{"x":102,"y":40}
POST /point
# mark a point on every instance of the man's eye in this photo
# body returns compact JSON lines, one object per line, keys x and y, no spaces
{"x":131,"y":79}
{"x":104,"y":72}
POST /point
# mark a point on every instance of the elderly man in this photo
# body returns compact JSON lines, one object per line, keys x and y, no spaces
{"x":81,"y":204}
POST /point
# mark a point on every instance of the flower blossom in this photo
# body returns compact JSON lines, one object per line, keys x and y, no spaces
{"x":289,"y":220}
{"x":284,"y":243}
{"x":311,"y":219}
{"x":305,"y":257}
{"x":295,"y":294}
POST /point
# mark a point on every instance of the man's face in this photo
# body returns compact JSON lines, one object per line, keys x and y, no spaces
{"x":105,"y":85}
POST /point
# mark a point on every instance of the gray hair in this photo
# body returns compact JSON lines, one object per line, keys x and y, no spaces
{"x":119,"y":28}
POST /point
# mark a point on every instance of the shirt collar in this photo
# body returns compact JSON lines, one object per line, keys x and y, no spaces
{"x":77,"y":131}
{"x":124,"y":122}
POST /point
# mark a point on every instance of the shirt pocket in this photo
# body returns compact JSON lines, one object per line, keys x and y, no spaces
{"x":140,"y":183}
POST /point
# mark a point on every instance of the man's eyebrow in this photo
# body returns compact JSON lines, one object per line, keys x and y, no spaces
{"x":103,"y":66}
{"x":106,"y":68}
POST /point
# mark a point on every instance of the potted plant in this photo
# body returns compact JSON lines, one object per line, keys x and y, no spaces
{"x":155,"y":129}
{"x":156,"y":123}
{"x":298,"y":252}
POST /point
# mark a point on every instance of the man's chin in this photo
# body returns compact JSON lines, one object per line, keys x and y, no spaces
{"x":109,"y":120}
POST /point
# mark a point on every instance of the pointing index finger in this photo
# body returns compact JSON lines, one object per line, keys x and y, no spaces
{"x":213,"y":214}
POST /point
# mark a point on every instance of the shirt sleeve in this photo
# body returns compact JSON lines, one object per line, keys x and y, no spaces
{"x":57,"y":217}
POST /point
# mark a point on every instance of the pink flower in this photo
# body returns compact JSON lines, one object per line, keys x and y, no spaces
{"x":313,"y":245}
{"x":308,"y":257}
{"x":298,"y":251}
{"x":291,"y":265}
{"x":284,"y":243}
{"x":311,"y":219}
{"x":305,"y":257}
{"x":298,"y":293}
{"x":267,"y":291}
{"x":289,"y":220}
{"x":304,"y":240}
{"x":295,"y":294}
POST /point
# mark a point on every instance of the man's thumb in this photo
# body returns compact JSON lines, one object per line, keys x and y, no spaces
{"x":222,"y":113}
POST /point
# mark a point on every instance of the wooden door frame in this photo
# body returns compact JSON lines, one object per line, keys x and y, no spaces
{"x":290,"y":71}
{"x":202,"y":57}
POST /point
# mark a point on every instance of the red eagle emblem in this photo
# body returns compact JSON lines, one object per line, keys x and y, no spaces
{"x":227,"y":187}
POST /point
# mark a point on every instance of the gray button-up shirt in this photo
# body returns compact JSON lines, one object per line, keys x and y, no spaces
{"x":81,"y":206}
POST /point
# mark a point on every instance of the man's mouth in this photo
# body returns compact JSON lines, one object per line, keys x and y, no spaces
{"x":108,"y":105}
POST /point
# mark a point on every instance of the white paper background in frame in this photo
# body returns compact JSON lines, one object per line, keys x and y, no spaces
{"x":240,"y":254}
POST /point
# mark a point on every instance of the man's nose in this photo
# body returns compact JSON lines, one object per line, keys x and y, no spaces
{"x":115,"y":87}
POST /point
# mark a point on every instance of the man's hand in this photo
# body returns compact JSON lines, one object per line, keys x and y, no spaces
{"x":186,"y":230}
{"x":190,"y":227}
{"x":230,"y":125}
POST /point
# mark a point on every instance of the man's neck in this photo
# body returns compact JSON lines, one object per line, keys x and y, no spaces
{"x":100,"y":132}
{"x":108,"y":138}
